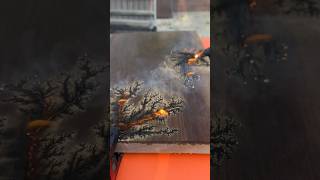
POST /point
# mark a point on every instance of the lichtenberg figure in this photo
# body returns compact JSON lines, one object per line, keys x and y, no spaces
{"x":224,"y":139}
{"x":186,"y":59}
{"x":250,"y":59}
{"x":45,"y":101}
{"x":56,"y":98}
{"x":136,"y":112}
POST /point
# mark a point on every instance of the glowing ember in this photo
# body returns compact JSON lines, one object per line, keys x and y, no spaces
{"x":37,"y":124}
{"x":192,"y":61}
{"x":121,"y":102}
{"x":161,"y":113}
{"x":198,"y":54}
{"x":189,"y":74}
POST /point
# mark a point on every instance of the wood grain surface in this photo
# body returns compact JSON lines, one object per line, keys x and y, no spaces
{"x":280,"y":136}
{"x":46,"y":38}
{"x":141,"y":56}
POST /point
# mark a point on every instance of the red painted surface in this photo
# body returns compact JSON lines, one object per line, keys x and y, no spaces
{"x":205,"y":42}
{"x":164,"y":167}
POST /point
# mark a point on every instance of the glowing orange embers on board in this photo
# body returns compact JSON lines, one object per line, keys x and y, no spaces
{"x":161,"y":113}
{"x":198,"y":54}
{"x":122,"y":102}
{"x":192,"y":61}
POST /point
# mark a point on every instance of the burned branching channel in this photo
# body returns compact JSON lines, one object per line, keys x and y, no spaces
{"x":185,"y":60}
{"x":44,"y":104}
{"x":138,"y":112}
{"x":243,"y":56}
{"x":264,"y":54}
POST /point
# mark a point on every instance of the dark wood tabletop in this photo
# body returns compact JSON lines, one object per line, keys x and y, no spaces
{"x":141,"y":56}
{"x":280,"y":133}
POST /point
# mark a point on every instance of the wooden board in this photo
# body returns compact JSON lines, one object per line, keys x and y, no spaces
{"x":279,"y":138}
{"x":140,"y":56}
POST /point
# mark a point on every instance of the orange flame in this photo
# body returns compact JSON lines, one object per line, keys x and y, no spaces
{"x":161,"y":113}
{"x":121,"y":102}
{"x":198,"y":54}
{"x":37,"y":124}
{"x":192,"y":61}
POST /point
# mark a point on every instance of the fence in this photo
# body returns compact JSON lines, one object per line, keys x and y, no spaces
{"x":133,"y":13}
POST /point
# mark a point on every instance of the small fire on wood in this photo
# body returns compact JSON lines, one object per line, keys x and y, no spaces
{"x":186,"y":60}
{"x":161,"y":113}
{"x":199,"y":54}
{"x":139,"y":112}
{"x":122,"y":102}
{"x":192,"y":61}
{"x":195,"y":59}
